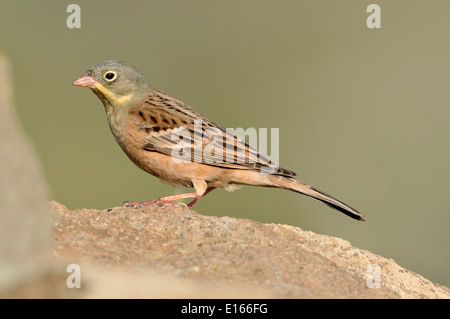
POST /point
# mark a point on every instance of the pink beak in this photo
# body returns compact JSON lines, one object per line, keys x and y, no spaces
{"x":86,"y":80}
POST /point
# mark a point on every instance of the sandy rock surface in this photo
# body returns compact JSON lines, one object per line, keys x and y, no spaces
{"x":206,"y":256}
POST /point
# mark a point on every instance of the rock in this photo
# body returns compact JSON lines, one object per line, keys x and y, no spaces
{"x":197,"y":256}
{"x":25,"y":215}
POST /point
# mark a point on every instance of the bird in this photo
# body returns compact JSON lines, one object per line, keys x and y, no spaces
{"x":172,"y":141}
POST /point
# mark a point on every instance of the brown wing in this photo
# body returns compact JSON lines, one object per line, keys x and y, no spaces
{"x":175,"y":129}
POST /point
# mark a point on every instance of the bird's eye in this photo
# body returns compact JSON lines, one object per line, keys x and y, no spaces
{"x":110,"y":76}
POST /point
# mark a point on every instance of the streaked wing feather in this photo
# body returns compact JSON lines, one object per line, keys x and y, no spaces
{"x":169,"y":125}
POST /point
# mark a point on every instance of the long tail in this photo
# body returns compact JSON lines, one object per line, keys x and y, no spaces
{"x":297,"y":186}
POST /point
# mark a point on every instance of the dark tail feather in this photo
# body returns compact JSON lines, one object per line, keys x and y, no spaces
{"x":297,"y":186}
{"x":336,"y":204}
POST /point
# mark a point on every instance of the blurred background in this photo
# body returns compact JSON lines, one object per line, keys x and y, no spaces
{"x":363,"y":114}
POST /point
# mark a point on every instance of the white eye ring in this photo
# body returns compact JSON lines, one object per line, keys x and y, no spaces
{"x":110,"y":76}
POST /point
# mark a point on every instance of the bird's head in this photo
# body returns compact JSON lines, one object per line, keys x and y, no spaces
{"x":116,"y":83}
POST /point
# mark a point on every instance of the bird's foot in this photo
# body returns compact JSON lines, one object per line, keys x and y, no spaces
{"x":157,"y":202}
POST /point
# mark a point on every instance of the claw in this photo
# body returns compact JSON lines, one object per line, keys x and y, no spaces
{"x":156,"y":202}
{"x":169,"y":200}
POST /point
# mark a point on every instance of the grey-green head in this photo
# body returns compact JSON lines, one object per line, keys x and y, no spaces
{"x":116,"y":83}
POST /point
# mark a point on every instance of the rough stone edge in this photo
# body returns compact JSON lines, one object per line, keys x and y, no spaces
{"x":412,"y":285}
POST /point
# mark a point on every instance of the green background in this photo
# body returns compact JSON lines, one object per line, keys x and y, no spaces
{"x":363,"y":114}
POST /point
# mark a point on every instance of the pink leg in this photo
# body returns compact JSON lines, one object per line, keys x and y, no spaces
{"x":197,"y":198}
{"x":163,"y":201}
{"x":167,"y":200}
